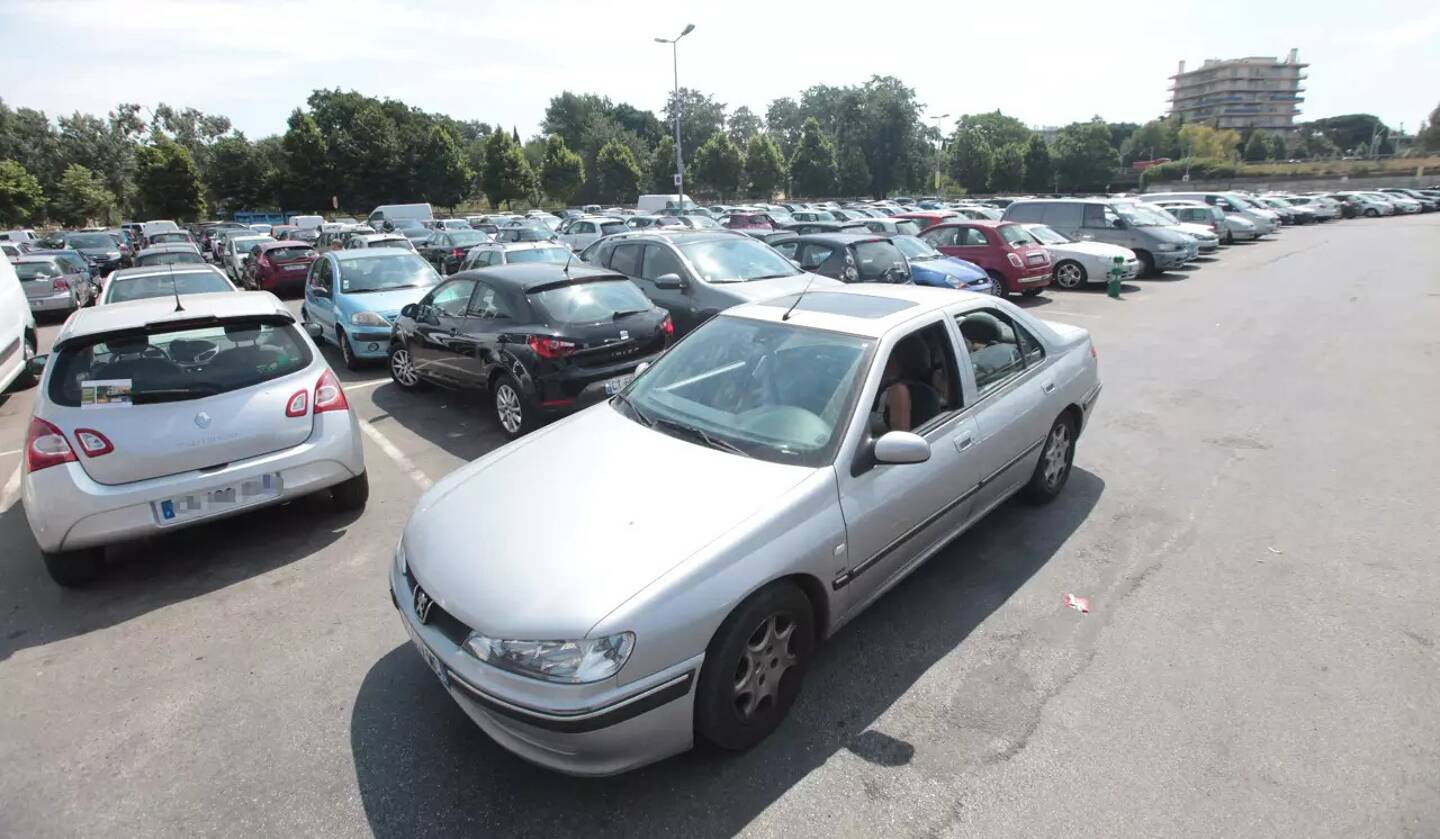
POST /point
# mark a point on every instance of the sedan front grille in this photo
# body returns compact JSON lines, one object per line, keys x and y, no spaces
{"x":449,"y":625}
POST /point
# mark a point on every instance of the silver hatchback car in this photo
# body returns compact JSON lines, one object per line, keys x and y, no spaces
{"x":150,"y":418}
{"x":763,"y":482}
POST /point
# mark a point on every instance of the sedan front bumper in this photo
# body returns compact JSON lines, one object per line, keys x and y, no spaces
{"x":586,"y":730}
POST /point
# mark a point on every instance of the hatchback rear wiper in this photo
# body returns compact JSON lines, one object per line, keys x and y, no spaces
{"x":619,"y":315}
{"x":172,"y":394}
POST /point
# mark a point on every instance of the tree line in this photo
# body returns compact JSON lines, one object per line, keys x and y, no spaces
{"x":347,"y":151}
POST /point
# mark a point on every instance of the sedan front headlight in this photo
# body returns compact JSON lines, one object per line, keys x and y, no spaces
{"x":368,"y":319}
{"x":1167,"y":246}
{"x":569,"y":662}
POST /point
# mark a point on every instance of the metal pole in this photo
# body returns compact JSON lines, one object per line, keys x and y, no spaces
{"x":679,"y":155}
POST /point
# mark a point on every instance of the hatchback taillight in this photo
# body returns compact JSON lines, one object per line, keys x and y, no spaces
{"x":298,"y":405}
{"x":45,"y":446}
{"x":550,"y":347}
{"x":60,"y":284}
{"x":93,"y":443}
{"x":329,"y":396}
{"x":667,"y":326}
{"x":458,"y":252}
{"x":1015,"y":259}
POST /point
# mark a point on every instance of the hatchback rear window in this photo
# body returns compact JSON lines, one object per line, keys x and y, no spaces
{"x":38,"y":270}
{"x":178,"y":364}
{"x":1015,"y":236}
{"x":559,"y":256}
{"x":592,"y":302}
{"x":121,"y":289}
{"x":169,"y":258}
{"x":285,"y":254}
{"x":609,"y":227}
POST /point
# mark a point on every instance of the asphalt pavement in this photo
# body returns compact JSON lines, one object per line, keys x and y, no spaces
{"x":1252,"y":518}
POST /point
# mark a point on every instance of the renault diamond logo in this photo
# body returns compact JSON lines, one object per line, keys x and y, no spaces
{"x":422,"y":605}
{"x":624,"y":336}
{"x":202,"y":419}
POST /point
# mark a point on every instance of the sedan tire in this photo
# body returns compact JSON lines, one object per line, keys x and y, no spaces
{"x":402,"y":369}
{"x":27,"y":352}
{"x":1053,"y":469}
{"x":347,"y":352}
{"x":1071,"y":275}
{"x":997,"y":284}
{"x":73,"y":569}
{"x":754,"y":667}
{"x":513,"y":410}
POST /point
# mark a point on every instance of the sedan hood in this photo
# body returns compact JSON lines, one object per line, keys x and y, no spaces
{"x":950,"y":272}
{"x":1099,"y":250}
{"x":384,"y":302}
{"x":778,"y":287}
{"x":546,"y":536}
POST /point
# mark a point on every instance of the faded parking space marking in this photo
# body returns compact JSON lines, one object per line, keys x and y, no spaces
{"x":11,"y":490}
{"x":364,"y":385}
{"x":391,"y":451}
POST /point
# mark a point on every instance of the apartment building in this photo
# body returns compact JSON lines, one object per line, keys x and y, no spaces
{"x":1254,"y":92}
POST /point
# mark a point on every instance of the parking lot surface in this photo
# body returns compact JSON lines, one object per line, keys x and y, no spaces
{"x":1251,"y":517}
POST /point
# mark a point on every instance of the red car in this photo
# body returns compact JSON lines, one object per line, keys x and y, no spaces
{"x":279,"y":266}
{"x":1011,"y":256}
{"x":758,"y":222}
{"x":930,"y":218}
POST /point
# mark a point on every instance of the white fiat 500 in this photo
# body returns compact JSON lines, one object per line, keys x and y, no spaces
{"x":151,"y":417}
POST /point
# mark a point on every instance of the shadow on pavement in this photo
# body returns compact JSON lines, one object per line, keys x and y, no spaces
{"x":424,"y":769}
{"x":460,"y":422}
{"x":149,"y":574}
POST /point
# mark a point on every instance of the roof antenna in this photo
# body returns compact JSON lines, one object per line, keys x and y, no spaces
{"x":174,"y":288}
{"x":786,"y":316}
{"x":566,"y":269}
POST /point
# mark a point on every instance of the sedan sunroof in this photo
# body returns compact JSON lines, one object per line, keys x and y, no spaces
{"x":848,"y":305}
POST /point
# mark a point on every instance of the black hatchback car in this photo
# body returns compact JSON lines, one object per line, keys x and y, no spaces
{"x":848,"y":256}
{"x":542,"y":339}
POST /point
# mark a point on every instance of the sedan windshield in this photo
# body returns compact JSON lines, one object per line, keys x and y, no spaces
{"x":384,"y":272}
{"x":121,"y":289}
{"x":558,"y":256}
{"x":169,"y":258}
{"x":915,"y":249}
{"x":93,"y":241}
{"x":736,"y":260}
{"x":1046,"y":235}
{"x":774,"y":391}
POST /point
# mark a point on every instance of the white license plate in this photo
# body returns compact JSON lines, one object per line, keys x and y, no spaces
{"x":431,"y":660}
{"x":296,"y":267}
{"x":221,"y":499}
{"x":617,"y":384}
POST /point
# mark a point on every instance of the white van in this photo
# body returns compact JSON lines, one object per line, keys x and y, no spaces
{"x":18,"y":236}
{"x":1264,"y":220}
{"x":17,"y":330}
{"x":660,"y":203}
{"x":150,"y":228}
{"x":390,"y":212}
{"x":307,"y":222}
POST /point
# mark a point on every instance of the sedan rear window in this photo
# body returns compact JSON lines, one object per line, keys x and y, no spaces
{"x":559,"y":256}
{"x":609,"y":227}
{"x":179,"y":364}
{"x":89,"y":240}
{"x":121,"y":289}
{"x":169,"y":258}
{"x":37,"y":270}
{"x":286,"y":254}
{"x":591,"y":302}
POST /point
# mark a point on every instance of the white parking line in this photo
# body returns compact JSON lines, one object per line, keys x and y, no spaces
{"x":12,"y":451}
{"x":11,"y":490}
{"x":363,"y":385}
{"x":1047,"y":311}
{"x":390,"y":450}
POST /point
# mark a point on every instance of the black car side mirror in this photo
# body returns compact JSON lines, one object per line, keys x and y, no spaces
{"x":409,"y":310}
{"x":669,"y":282}
{"x":314,"y":330}
{"x":35,"y":366}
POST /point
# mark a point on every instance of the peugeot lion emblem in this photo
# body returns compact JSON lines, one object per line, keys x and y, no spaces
{"x":422,"y":605}
{"x":202,"y":419}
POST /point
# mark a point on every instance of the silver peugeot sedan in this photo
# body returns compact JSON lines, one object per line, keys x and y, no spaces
{"x":759,"y":485}
{"x":152,"y":416}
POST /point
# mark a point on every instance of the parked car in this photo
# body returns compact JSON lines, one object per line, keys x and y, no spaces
{"x":353,"y":296}
{"x":526,"y":233}
{"x":1078,"y":263}
{"x":580,"y":233}
{"x":451,"y":224}
{"x":810,"y":493}
{"x":542,"y":340}
{"x":748,"y":222}
{"x":929,"y":266}
{"x":1403,"y":203}
{"x":487,"y":255}
{"x":1289,"y":213}
{"x":1206,"y":239}
{"x":52,"y":284}
{"x":168,"y":255}
{"x":848,"y":257}
{"x":697,"y":222}
{"x":411,"y":228}
{"x":1322,"y":208}
{"x":216,"y":409}
{"x":1369,"y":205}
{"x":237,"y":250}
{"x":446,"y":249}
{"x":278,"y":267}
{"x":1013,"y":259}
{"x":172,"y":237}
{"x":12,"y":250}
{"x":1265,"y":221}
{"x":930,"y":218}
{"x":129,"y":284}
{"x":1104,"y":220}
{"x":379,"y":240}
{"x":1428,"y":203}
{"x":101,"y":252}
{"x":1230,"y":228}
{"x":394,"y":213}
{"x":18,"y":335}
{"x":813,"y":215}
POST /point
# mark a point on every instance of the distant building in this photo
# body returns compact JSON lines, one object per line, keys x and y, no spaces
{"x":1255,"y":92}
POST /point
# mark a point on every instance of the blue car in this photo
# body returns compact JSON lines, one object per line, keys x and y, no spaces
{"x":933,"y":268}
{"x":353,"y":297}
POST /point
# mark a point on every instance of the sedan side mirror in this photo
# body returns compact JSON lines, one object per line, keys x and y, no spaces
{"x":35,"y":366}
{"x":901,"y":447}
{"x":642,"y":367}
{"x":408,"y":310}
{"x":671,"y":282}
{"x":794,"y":262}
{"x":314,"y":330}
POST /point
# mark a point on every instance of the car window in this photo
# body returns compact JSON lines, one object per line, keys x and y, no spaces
{"x":997,"y":348}
{"x":941,"y":237}
{"x":659,"y":261}
{"x":920,"y":382}
{"x":812,"y":255}
{"x":1064,"y":215}
{"x":1015,"y":235}
{"x":609,"y":227}
{"x":583,"y":227}
{"x":1026,"y":212}
{"x":452,"y":298}
{"x":787,"y":248}
{"x":880,"y":262}
{"x":120,"y":289}
{"x":626,"y":259}
{"x":320,"y":275}
{"x":970,"y":237}
{"x":385,"y":271}
{"x":489,"y":303}
{"x":598,"y":301}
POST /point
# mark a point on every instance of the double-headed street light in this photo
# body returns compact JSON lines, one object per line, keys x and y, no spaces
{"x":679,"y":155}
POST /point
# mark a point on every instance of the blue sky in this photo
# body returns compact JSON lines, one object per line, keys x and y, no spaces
{"x":1047,"y":63}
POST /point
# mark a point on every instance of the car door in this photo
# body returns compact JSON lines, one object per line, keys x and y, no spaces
{"x":320,"y":295}
{"x":438,"y":350}
{"x":1005,"y":367}
{"x":646,"y":263}
{"x":896,"y":514}
{"x":477,"y":345}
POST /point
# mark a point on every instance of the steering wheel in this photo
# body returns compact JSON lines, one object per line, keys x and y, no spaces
{"x":152,"y":351}
{"x":205,"y":356}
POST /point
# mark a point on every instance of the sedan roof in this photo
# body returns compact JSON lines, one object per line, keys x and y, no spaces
{"x":159,"y":310}
{"x":867,"y":309}
{"x":840,"y":239}
{"x":527,"y":275}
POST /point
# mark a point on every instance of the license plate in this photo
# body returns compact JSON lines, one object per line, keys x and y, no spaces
{"x":213,"y":501}
{"x":617,"y":384}
{"x":296,"y":267}
{"x":431,"y":660}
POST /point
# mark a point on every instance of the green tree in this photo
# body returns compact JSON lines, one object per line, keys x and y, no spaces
{"x":1083,"y":156}
{"x":1275,"y":147}
{"x":369,"y":152}
{"x":764,"y":167}
{"x":1428,"y":137}
{"x":563,"y":172}
{"x":998,"y":129}
{"x":853,"y":176}
{"x":719,"y":166}
{"x":80,"y":197}
{"x":1353,"y":133}
{"x":106,"y":147}
{"x":444,"y":174}
{"x":812,"y":167}
{"x":617,"y":176}
{"x":237,"y":178}
{"x":169,"y":183}
{"x":21,"y":197}
{"x":1039,"y":169}
{"x":507,"y":173}
{"x":1256,"y":148}
{"x":784,"y":121}
{"x":969,"y":159}
{"x":305,"y":174}
{"x":1155,"y":139}
{"x":660,"y":175}
{"x":1209,"y":143}
{"x":742,"y":125}
{"x":700,"y":118}
{"x":1008,"y":172}
{"x":28,"y":138}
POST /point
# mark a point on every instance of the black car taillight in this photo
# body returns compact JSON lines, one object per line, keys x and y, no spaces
{"x":546,"y":347}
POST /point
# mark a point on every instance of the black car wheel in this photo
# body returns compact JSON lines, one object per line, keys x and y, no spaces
{"x":512,"y":410}
{"x":351,"y":494}
{"x":997,"y":284}
{"x":347,"y":352}
{"x":402,"y":369}
{"x":27,"y":352}
{"x":1147,"y":263}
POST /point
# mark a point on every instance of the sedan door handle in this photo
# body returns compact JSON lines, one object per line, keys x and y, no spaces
{"x":1048,"y":387}
{"x":963,"y":443}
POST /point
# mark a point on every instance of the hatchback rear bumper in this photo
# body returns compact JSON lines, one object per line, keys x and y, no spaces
{"x":52,"y":303}
{"x":68,"y":510}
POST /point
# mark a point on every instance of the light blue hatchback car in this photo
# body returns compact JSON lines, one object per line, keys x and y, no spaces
{"x":353,"y":296}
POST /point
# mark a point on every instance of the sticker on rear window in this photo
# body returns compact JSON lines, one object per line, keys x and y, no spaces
{"x":104,"y":393}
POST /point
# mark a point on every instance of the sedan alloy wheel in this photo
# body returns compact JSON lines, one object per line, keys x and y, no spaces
{"x":402,"y":368}
{"x":508,"y":409}
{"x":1069,"y":275}
{"x":763,"y":663}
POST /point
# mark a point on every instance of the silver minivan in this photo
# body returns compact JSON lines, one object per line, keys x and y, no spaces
{"x":1265,"y":221}
{"x":1158,"y":247}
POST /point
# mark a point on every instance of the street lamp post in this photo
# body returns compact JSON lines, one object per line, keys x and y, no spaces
{"x":679,"y":155}
{"x":939,"y":149}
